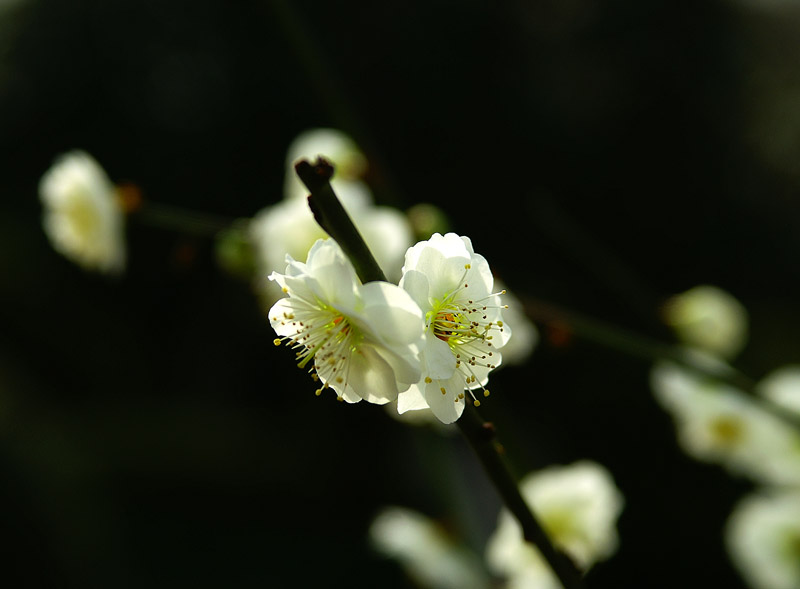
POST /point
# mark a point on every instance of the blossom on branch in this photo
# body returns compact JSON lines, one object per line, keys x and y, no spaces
{"x":578,"y":506}
{"x":83,"y":218}
{"x":361,"y":340}
{"x":464,"y":326}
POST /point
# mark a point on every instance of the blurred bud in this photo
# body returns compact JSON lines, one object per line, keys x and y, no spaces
{"x":708,"y":318}
{"x":349,"y":162}
{"x":83,"y":217}
{"x":234,"y":251}
{"x":427,"y":219}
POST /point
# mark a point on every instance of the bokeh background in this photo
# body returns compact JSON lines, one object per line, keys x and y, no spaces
{"x":602,"y":156}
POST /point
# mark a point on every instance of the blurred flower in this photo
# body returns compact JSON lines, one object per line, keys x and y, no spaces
{"x":350,"y":164}
{"x":763,"y":539}
{"x":708,"y":318}
{"x":288,"y":227}
{"x":782,"y":387}
{"x":363,"y":339}
{"x":82,"y":217}
{"x":426,"y":553}
{"x":463,"y":324}
{"x":521,"y":343}
{"x":719,"y":423}
{"x":577,"y":505}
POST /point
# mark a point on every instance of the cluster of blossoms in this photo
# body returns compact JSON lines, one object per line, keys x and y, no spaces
{"x":719,"y":423}
{"x":426,"y":342}
{"x":578,"y":506}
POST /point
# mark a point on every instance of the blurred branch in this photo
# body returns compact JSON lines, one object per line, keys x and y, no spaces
{"x":645,"y":348}
{"x":181,"y":220}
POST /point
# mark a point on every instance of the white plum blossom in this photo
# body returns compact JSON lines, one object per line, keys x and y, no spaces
{"x":428,"y":555}
{"x":464,"y":326}
{"x":710,"y":319}
{"x":82,"y":215}
{"x":578,"y":506}
{"x":349,"y":162}
{"x":361,"y":340}
{"x":716,"y":422}
{"x":763,"y":539}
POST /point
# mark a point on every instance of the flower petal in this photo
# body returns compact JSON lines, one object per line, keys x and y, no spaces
{"x":446,"y":406}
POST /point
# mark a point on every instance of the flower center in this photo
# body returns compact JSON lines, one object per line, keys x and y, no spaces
{"x":464,"y":325}
{"x":323,"y":334}
{"x":727,"y":430}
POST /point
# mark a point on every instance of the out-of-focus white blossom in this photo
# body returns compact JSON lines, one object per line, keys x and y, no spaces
{"x":82,"y":216}
{"x":464,"y":326}
{"x":523,"y":340}
{"x":578,"y":506}
{"x":288,"y":227}
{"x":782,"y":387}
{"x":708,"y":318}
{"x":427,"y":554}
{"x":362,"y":340}
{"x":763,"y":539}
{"x":716,"y":422}
{"x":338,"y":148}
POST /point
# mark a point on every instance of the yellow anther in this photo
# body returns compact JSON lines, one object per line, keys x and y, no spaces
{"x":318,"y":392}
{"x":428,"y":379}
{"x":277,"y":341}
{"x":467,"y":266}
{"x":340,"y":398}
{"x":339,"y":379}
{"x":485,"y":392}
{"x":500,"y":323}
{"x":444,"y":392}
{"x":477,"y":403}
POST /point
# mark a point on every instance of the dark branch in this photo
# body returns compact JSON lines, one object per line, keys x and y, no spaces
{"x":332,"y":217}
{"x":480,"y":435}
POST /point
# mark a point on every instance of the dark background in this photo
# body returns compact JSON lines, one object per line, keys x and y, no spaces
{"x":601,"y":155}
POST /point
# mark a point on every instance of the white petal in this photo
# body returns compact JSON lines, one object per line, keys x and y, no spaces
{"x":334,"y":274}
{"x":371,"y":377}
{"x":447,"y":407}
{"x":440,"y":363}
{"x":391,"y":313}
{"x":416,"y":284}
{"x":411,"y":400}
